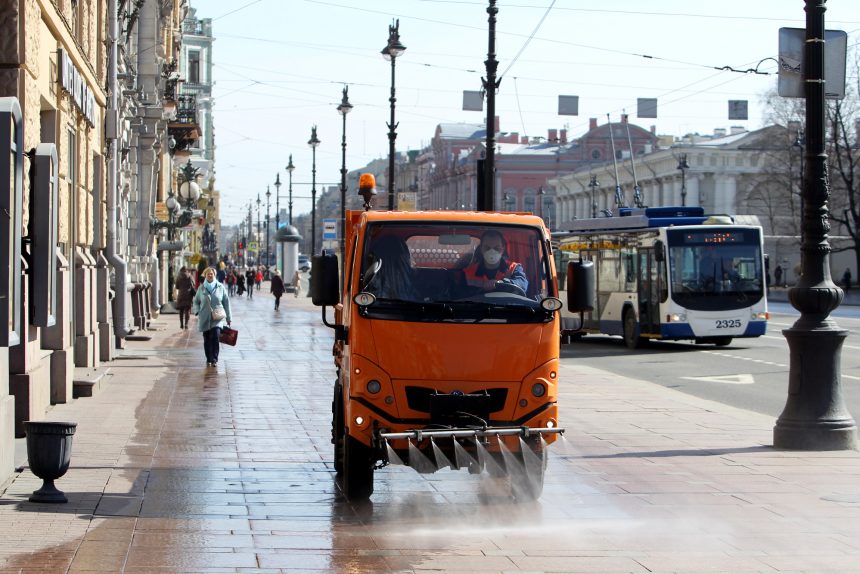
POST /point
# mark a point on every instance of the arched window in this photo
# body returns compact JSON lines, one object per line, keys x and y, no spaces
{"x":529,"y":202}
{"x":595,"y":154}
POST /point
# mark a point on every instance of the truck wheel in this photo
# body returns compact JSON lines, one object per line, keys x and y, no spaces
{"x":357,"y":469}
{"x":337,"y":428}
{"x":631,"y":339}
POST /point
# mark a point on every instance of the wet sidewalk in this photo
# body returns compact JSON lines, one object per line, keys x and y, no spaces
{"x":180,"y":468}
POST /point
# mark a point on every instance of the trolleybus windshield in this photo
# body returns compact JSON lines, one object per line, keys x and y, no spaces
{"x":715,"y":268}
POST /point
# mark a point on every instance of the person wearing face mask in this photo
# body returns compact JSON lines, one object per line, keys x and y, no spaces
{"x":493,"y":271}
{"x":212,"y":307}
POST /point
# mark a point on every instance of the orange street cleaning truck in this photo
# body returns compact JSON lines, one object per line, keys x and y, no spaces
{"x":446,"y":345}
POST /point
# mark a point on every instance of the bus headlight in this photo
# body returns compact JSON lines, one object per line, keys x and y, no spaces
{"x":764,"y":316}
{"x":538,"y":389}
{"x":676,"y":318}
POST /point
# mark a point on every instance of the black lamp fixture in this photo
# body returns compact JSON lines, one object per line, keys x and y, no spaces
{"x":290,"y":169}
{"x":344,"y":108}
{"x":391,"y":51}
{"x":313,"y":143}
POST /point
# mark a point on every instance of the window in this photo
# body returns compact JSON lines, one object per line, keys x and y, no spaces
{"x":595,"y":154}
{"x":194,"y":66}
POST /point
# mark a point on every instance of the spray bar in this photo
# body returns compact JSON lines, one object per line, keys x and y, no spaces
{"x":419,"y":435}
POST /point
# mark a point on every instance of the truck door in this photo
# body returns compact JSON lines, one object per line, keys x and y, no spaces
{"x":649,"y":292}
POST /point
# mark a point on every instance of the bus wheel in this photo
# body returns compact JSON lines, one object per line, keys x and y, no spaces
{"x":357,"y":478}
{"x":631,"y":339}
{"x":722,"y":341}
{"x":337,"y":428}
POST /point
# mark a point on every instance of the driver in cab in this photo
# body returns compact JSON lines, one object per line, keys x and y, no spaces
{"x":493,"y":271}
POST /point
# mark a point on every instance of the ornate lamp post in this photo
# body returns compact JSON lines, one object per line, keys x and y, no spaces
{"x":313,"y":142}
{"x":490,"y":86}
{"x":268,"y":205}
{"x":683,"y":166}
{"x":815,"y":416}
{"x":290,"y":169}
{"x":259,"y":237}
{"x":390,"y":52}
{"x":343,"y":109}
{"x":277,"y":201}
{"x":593,"y":185}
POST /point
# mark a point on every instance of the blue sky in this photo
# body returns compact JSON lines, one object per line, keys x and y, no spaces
{"x":280,"y":67}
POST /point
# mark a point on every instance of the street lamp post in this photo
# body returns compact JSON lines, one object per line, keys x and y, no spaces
{"x":277,"y":202}
{"x":490,"y":86}
{"x":344,"y":108}
{"x":815,"y":416}
{"x":313,"y":142}
{"x":593,"y":185}
{"x":258,"y":229}
{"x":390,"y":52}
{"x":683,"y":166}
{"x":268,"y":206}
{"x":290,"y":169}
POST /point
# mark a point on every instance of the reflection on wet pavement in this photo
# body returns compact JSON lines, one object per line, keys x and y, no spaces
{"x":181,"y":468}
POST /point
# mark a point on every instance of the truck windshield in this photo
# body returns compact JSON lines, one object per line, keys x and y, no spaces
{"x":455,"y":272}
{"x":716,"y":269}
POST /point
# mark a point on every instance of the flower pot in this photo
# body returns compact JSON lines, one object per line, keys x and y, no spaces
{"x":49,"y":451}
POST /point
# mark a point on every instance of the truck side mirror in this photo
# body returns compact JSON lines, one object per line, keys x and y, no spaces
{"x":580,"y":286}
{"x":324,"y":280}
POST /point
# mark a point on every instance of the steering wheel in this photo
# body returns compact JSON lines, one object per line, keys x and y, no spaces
{"x":507,"y":286}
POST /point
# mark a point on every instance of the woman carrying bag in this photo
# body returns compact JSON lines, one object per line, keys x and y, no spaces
{"x":212,"y":307}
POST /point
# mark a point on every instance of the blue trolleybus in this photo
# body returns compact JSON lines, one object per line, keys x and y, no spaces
{"x":669,"y":273}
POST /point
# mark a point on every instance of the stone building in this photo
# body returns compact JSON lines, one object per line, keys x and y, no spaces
{"x":84,"y":146}
{"x":523,"y":165}
{"x":752,"y":176}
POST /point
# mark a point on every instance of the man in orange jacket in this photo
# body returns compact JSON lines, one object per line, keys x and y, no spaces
{"x":493,"y":271}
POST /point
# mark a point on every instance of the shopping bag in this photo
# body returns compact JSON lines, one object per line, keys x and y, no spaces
{"x":229,"y":336}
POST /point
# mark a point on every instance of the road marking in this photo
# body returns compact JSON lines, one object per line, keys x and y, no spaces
{"x":743,"y":379}
{"x":852,"y":347}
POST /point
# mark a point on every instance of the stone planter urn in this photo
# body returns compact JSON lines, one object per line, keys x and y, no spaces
{"x":49,"y":451}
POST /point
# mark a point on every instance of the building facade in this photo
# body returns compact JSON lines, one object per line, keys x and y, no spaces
{"x":85,"y":139}
{"x":523,"y":165}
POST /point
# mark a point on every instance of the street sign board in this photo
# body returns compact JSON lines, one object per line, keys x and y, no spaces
{"x":329,"y":229}
{"x":252,"y":246}
{"x":791,"y":42}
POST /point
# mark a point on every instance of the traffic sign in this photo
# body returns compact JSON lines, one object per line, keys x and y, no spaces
{"x":252,"y":246}
{"x":329,"y":229}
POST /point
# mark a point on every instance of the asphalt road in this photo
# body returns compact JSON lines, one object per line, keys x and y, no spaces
{"x":750,"y":373}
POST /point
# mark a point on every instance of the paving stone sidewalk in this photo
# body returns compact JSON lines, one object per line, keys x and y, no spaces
{"x":180,"y":468}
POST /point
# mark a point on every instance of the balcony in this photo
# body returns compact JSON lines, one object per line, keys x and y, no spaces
{"x":185,"y":127}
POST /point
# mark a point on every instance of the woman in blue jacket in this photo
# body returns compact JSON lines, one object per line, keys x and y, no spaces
{"x":211,"y":305}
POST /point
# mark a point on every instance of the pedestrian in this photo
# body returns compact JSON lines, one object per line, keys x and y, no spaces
{"x":212,"y":307}
{"x":777,"y":276}
{"x":259,"y":278}
{"x":240,"y":284}
{"x":250,"y":280}
{"x":277,"y":288}
{"x":221,"y":275}
{"x":297,"y":283}
{"x":846,"y":278}
{"x":184,"y":296}
{"x":231,"y":282}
